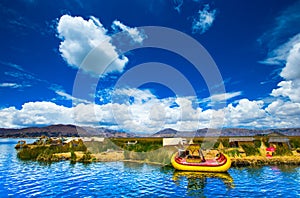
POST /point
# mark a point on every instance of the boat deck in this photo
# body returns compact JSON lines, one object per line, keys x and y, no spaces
{"x":198,"y":162}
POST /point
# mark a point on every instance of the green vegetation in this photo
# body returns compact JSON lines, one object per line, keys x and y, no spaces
{"x":295,"y":142}
{"x":148,"y":150}
{"x":250,"y":149}
{"x":257,"y":143}
{"x":161,"y":156}
{"x":31,"y":153}
{"x":283,"y":151}
{"x":265,"y":141}
{"x":86,"y":158}
{"x":225,"y":142}
{"x":73,"y":157}
{"x":98,"y":147}
{"x":216,"y":145}
{"x":138,"y":144}
{"x":45,"y":152}
{"x":232,"y":152}
{"x":144,"y":149}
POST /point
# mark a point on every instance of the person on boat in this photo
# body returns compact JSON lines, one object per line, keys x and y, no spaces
{"x":201,"y":155}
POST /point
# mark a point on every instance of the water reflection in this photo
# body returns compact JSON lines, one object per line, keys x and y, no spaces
{"x":284,"y":168}
{"x":197,"y":181}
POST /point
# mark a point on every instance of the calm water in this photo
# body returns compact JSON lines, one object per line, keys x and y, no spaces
{"x":118,"y":179}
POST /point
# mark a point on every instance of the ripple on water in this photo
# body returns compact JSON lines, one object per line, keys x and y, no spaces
{"x":118,"y":179}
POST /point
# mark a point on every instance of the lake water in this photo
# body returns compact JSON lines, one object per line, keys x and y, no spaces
{"x":120,"y":179}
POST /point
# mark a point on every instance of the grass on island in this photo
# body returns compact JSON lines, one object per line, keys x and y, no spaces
{"x":46,"y":152}
{"x":149,"y":150}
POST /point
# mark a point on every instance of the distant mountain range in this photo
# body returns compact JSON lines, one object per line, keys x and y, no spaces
{"x":230,"y":132}
{"x":62,"y":130}
{"x":78,"y":131}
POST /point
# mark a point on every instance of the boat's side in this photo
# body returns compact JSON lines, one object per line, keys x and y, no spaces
{"x":222,"y":168}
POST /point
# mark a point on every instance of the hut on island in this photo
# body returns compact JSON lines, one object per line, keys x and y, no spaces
{"x":280,"y":141}
{"x":238,"y":141}
{"x":174,"y":141}
{"x":132,"y":143}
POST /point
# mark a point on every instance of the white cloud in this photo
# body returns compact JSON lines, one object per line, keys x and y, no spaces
{"x":79,"y":37}
{"x":136,"y":35}
{"x":290,"y":87}
{"x":13,"y":65}
{"x":204,"y":20}
{"x":285,"y":27}
{"x":283,"y":110}
{"x":148,"y":114}
{"x":35,"y":113}
{"x":279,"y":55}
{"x":7,"y":116}
{"x":284,"y":113}
{"x":10,"y":85}
{"x":123,"y":95}
{"x":245,"y":113}
{"x":13,"y":85}
{"x":67,"y":96}
{"x":291,"y":71}
{"x":225,"y":96}
{"x":220,"y":97}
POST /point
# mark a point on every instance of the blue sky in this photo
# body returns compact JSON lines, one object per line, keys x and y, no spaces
{"x":55,"y":64}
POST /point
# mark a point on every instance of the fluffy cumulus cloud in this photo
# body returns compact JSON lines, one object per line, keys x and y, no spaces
{"x":290,"y":86}
{"x":7,"y":117}
{"x":86,"y":44}
{"x":292,"y":69}
{"x":137,"y":111}
{"x":284,"y":110}
{"x":203,"y":20}
{"x":286,"y":106}
{"x":35,"y":114}
{"x":140,"y":111}
{"x":245,"y":113}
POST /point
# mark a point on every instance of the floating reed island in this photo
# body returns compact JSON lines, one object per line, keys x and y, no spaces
{"x":243,"y":151}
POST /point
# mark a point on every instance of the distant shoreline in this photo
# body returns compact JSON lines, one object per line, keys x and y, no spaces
{"x":61,"y":130}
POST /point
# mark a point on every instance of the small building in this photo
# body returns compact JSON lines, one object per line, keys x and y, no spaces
{"x":174,"y":141}
{"x":98,"y":139}
{"x":280,"y":141}
{"x":238,"y":141}
{"x":70,"y":139}
{"x":132,"y":143}
{"x":92,"y":139}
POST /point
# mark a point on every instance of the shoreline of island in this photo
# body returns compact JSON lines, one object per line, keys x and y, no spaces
{"x":145,"y":150}
{"x":116,"y":156}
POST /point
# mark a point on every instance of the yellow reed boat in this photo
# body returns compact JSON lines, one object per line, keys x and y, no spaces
{"x":192,"y":159}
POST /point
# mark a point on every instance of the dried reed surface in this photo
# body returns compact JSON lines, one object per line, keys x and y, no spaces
{"x":260,"y":160}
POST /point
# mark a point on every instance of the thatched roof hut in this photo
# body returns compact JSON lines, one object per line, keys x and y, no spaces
{"x":237,"y":141}
{"x":280,"y":141}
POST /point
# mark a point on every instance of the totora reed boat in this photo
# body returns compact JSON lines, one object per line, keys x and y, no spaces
{"x":192,"y":159}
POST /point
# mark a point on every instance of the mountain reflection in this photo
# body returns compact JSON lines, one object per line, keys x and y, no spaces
{"x":196,"y":181}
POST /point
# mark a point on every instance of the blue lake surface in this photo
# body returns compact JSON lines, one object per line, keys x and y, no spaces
{"x":122,"y":179}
